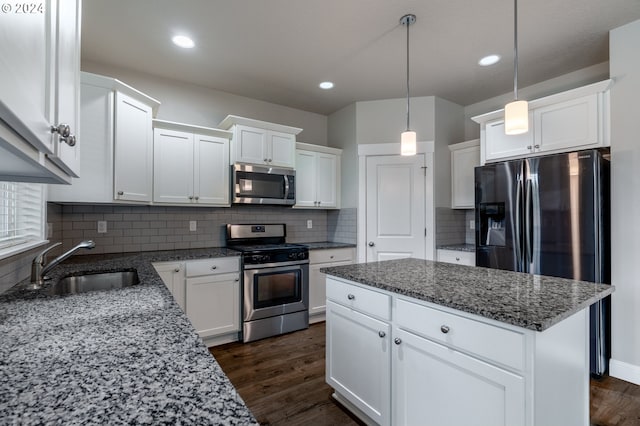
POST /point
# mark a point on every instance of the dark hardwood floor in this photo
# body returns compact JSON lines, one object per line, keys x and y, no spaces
{"x":281,"y":379}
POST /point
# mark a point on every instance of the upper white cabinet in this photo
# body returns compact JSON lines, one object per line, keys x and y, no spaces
{"x":465,"y":156}
{"x":260,"y":142}
{"x":317,"y":176}
{"x":116,"y":161}
{"x":40,"y":62}
{"x":573,"y":120}
{"x":191,"y":164}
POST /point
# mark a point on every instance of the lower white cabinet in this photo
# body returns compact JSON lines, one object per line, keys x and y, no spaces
{"x":213,"y":295}
{"x":324,"y":258}
{"x":172,"y":274}
{"x":458,"y":257}
{"x":358,"y":360}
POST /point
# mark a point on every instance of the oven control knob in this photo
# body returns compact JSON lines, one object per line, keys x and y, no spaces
{"x":301,"y":255}
{"x":292,"y":255}
{"x":256,"y":258}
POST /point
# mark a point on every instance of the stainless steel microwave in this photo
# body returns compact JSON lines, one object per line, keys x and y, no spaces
{"x":253,"y":184}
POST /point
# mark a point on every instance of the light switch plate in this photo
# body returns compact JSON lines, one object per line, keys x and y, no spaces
{"x":193,"y":225}
{"x":472,"y":224}
{"x":49,"y":230}
{"x":102,"y":226}
{"x":309,"y":224}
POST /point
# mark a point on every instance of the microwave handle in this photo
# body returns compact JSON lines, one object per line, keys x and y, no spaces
{"x":286,"y":186}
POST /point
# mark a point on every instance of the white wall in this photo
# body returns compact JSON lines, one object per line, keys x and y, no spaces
{"x":625,"y":201}
{"x":448,"y":119}
{"x":193,"y":104}
{"x":342,"y":134}
{"x":564,"y":82}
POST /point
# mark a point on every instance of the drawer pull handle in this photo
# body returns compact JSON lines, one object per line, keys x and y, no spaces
{"x":330,"y":257}
{"x":237,"y":279}
{"x":381,"y":333}
{"x":397,"y":340}
{"x":214,"y":267}
{"x":176,"y":270}
{"x":350,"y":296}
{"x":445,"y":329}
{"x":458,"y":259}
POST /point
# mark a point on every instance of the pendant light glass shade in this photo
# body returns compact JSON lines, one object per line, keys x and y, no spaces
{"x":408,"y":137}
{"x":408,"y":143}
{"x":516,"y":117}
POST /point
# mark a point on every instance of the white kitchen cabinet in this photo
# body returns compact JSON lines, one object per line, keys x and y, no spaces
{"x":457,"y":257}
{"x":173,"y":276}
{"x":213,"y":298}
{"x":317,"y":176}
{"x":260,"y":142}
{"x":190,"y":168}
{"x":465,"y":156}
{"x":324,"y":258}
{"x":573,"y":120}
{"x":358,"y":357}
{"x":40,"y":61}
{"x":116,"y":129}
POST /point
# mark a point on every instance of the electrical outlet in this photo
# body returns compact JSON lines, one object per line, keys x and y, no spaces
{"x":309,"y":224}
{"x":49,"y":230}
{"x":472,"y":224}
{"x":193,"y":225}
{"x":102,"y":226}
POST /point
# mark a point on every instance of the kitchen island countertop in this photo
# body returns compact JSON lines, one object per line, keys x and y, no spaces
{"x":127,"y":356}
{"x":533,"y":302}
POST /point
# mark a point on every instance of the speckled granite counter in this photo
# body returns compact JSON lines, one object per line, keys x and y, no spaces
{"x":126,"y":356}
{"x":327,"y":245}
{"x":458,"y":247}
{"x":530,"y":301}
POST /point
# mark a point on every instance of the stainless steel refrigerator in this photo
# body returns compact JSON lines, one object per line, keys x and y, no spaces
{"x":550,"y":216}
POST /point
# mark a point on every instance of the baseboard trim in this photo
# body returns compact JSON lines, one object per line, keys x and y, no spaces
{"x":625,"y":371}
{"x":353,"y":409}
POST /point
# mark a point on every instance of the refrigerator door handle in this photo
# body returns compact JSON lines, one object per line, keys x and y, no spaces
{"x":528,"y":249}
{"x":518,"y":217}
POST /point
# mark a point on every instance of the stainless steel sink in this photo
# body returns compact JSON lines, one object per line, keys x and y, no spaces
{"x":95,"y":281}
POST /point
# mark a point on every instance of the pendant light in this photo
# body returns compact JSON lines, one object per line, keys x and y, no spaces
{"x":408,"y":137}
{"x":516,"y":113}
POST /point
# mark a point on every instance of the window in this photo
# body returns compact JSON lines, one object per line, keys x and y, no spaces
{"x":22,"y":216}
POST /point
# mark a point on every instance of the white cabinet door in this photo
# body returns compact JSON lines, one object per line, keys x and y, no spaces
{"x":27,"y":61}
{"x":498,"y":145}
{"x":567,"y":125}
{"x":281,"y":149}
{"x":133,"y":157}
{"x":463,"y":162}
{"x":326,"y":176}
{"x":173,"y":166}
{"x":213,"y":304}
{"x":432,"y":382}
{"x":250,"y":145}
{"x":318,"y":287}
{"x":67,"y":91}
{"x":305,"y":178}
{"x":211,"y":170}
{"x":173,"y":275}
{"x":358,"y":360}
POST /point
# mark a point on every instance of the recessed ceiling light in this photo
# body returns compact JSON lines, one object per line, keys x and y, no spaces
{"x":183,"y":41}
{"x":326,"y":85}
{"x":489,"y":60}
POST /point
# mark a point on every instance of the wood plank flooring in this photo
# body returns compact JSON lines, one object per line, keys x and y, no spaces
{"x":281,"y":379}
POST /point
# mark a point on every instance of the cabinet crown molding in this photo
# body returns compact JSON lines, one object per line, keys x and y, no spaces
{"x":192,"y":128}
{"x":589,"y":89}
{"x":231,"y":120}
{"x":318,"y":148}
{"x":117,"y":85}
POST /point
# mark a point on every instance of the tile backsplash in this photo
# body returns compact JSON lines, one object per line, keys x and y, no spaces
{"x":342,"y":225}
{"x":452,"y":226}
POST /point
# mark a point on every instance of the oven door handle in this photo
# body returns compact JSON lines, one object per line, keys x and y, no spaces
{"x":275,"y":264}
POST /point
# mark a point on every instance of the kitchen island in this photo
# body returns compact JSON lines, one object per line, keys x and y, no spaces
{"x":127,"y":356}
{"x":418,"y":342}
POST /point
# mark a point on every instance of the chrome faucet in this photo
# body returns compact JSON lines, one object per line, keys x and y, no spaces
{"x":39,"y":269}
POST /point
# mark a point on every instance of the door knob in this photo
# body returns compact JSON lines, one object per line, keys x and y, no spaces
{"x":371,"y":244}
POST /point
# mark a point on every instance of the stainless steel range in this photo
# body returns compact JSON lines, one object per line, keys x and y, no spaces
{"x":275,"y":280}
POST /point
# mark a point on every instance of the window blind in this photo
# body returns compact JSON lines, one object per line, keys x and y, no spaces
{"x":21,"y":215}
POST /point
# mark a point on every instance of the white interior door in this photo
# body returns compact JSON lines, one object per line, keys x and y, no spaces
{"x":395,"y":203}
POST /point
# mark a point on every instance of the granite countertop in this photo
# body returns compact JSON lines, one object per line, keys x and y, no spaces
{"x":458,"y":247}
{"x":127,"y":356}
{"x":327,"y":245}
{"x":530,"y":301}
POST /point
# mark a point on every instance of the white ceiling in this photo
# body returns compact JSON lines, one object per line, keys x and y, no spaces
{"x":279,"y":50}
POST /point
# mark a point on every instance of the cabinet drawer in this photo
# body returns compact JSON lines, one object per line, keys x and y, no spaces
{"x":455,"y":256}
{"x":330,"y":255}
{"x":222,"y":265}
{"x":496,"y":344}
{"x":358,"y":298}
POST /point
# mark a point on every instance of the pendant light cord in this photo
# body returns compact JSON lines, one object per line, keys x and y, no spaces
{"x":515,"y":49}
{"x":408,"y":109}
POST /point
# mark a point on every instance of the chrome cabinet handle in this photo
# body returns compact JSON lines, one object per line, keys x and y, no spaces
{"x":120,"y":193}
{"x":176,"y":270}
{"x":237,"y":279}
{"x":330,"y":257}
{"x":191,"y":197}
{"x":214,"y":267}
{"x":350,"y":296}
{"x":69,"y":140}
{"x":270,"y":160}
{"x":458,"y":259}
{"x":445,"y":329}
{"x":536,"y":146}
{"x":197,"y":198}
{"x":371,"y":244}
{"x":529,"y":147}
{"x":381,"y":333}
{"x":319,"y":202}
{"x":397,"y":340}
{"x":265,"y":160}
{"x":62,"y":129}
